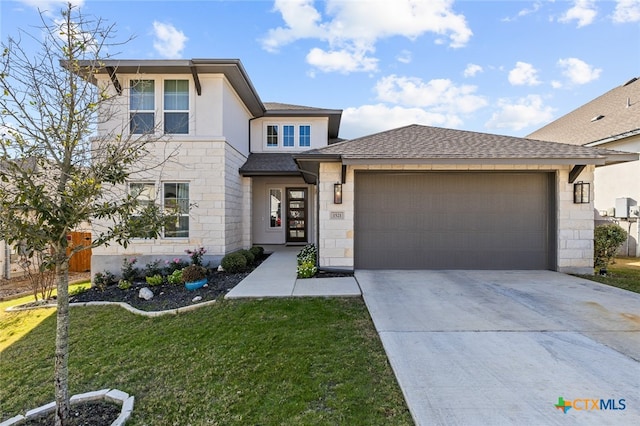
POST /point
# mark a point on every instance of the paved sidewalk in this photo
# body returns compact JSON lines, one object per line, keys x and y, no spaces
{"x":276,"y":277}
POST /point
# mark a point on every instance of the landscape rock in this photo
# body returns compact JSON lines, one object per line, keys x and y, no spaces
{"x":145,"y":293}
{"x":196,"y":299}
{"x":220,"y":268}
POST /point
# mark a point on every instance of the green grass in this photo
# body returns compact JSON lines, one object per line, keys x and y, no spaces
{"x":285,"y":361}
{"x":624,"y":273}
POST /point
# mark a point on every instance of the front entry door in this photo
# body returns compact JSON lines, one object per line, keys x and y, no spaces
{"x":297,"y":215}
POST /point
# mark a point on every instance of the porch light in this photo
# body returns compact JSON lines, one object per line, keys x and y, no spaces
{"x":337,"y":193}
{"x":581,"y":193}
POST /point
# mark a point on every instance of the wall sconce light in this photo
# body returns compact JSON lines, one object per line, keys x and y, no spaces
{"x":581,"y":193}
{"x":337,"y":193}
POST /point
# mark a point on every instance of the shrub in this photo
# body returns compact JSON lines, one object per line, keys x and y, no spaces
{"x":129,"y":272}
{"x":193,"y":273}
{"x":309,"y":253}
{"x":153,"y":268}
{"x":124,"y":284}
{"x":249,"y":256}
{"x":104,"y":279}
{"x":175,"y":277}
{"x":607,"y":240}
{"x":234,"y":262}
{"x":196,"y":255}
{"x":257,"y":251}
{"x":176,"y":264}
{"x":155,"y":280}
{"x":307,"y":270}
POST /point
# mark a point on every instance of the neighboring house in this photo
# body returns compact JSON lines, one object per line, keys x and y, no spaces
{"x":610,"y":121}
{"x":413,"y":197}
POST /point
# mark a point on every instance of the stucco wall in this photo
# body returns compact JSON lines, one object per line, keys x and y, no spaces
{"x":574,"y":221}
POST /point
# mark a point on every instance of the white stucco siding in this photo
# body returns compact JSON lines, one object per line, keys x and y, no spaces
{"x":319,"y":132}
{"x":574,"y":222}
{"x":235,"y":120}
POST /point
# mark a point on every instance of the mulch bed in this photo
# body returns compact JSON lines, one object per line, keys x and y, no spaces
{"x":96,"y":413}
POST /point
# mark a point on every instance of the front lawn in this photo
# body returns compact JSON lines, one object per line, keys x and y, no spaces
{"x":283,"y":361}
{"x":624,"y":273}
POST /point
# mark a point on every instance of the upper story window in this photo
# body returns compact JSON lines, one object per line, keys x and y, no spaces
{"x":272,"y":135}
{"x":176,"y":106}
{"x":288,"y":136}
{"x":305,"y":136}
{"x":142,"y":106}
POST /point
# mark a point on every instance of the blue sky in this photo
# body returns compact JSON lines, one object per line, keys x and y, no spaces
{"x":506,"y":67}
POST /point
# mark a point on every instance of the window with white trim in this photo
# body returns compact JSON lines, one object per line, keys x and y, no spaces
{"x":145,"y":194}
{"x":275,"y":208}
{"x":141,"y":106}
{"x":176,"y":107}
{"x":288,"y":136}
{"x":176,"y":202}
{"x":305,"y":136}
{"x":272,"y":135}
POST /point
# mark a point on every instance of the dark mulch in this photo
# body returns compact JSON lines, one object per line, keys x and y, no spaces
{"x":95,"y":413}
{"x":166,"y":296}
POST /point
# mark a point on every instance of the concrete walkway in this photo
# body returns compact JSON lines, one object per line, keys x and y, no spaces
{"x":276,"y":277}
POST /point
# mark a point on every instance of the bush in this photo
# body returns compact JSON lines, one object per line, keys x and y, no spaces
{"x":309,"y":253}
{"x":124,"y":284}
{"x":175,"y":277}
{"x":193,"y":273}
{"x":234,"y":262}
{"x":607,"y":240}
{"x":196,"y":255}
{"x":249,"y":256}
{"x":257,"y":251}
{"x":104,"y":279}
{"x":153,"y":268}
{"x":129,"y":272}
{"x":155,"y":280}
{"x":176,"y":264}
{"x":307,"y":270}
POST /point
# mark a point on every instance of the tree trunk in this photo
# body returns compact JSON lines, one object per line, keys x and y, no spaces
{"x":61,"y":372}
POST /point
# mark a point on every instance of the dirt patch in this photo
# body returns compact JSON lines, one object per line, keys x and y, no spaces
{"x":96,"y":413}
{"x":20,"y":286}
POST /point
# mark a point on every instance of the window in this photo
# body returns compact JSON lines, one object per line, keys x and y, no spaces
{"x":305,"y":136}
{"x":176,"y":202}
{"x":288,"y":136}
{"x":272,"y":135}
{"x":145,"y":193}
{"x":176,"y":107}
{"x":142,"y":106}
{"x":275,"y":208}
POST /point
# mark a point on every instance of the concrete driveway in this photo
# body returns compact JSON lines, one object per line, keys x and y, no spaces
{"x":501,"y":347}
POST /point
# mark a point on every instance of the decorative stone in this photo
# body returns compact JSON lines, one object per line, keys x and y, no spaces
{"x":196,"y":299}
{"x":220,"y":268}
{"x":145,"y":293}
{"x":206,"y":285}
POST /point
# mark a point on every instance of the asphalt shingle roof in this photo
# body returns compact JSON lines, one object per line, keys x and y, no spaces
{"x":424,"y":142}
{"x":269,"y":164}
{"x":619,"y":112}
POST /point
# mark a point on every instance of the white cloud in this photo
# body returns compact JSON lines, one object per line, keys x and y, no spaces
{"x":51,"y":7}
{"x":523,"y":74}
{"x":577,"y":71}
{"x":356,"y":26}
{"x":524,"y":12}
{"x":583,"y":11}
{"x":556,"y":84}
{"x":169,"y":41}
{"x":627,"y":11}
{"x":522,"y":113}
{"x":341,"y":61}
{"x":471,"y":70}
{"x":405,"y":57}
{"x":439,"y":95}
{"x":367,"y":119}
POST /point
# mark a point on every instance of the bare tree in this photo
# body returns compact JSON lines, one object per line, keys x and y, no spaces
{"x":59,"y":166}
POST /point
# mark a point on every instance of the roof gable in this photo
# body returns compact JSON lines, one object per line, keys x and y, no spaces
{"x":613,"y":115}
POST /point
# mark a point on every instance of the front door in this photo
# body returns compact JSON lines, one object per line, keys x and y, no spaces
{"x":296,"y":215}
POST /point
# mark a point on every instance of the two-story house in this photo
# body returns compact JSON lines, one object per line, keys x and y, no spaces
{"x":245,"y":172}
{"x":230,"y":169}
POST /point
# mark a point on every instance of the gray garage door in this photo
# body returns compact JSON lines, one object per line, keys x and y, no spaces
{"x":454,"y":220}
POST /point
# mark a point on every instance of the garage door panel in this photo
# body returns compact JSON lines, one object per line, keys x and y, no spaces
{"x":453,"y":220}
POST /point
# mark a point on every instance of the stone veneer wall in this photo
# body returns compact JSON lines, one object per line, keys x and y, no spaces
{"x":575,"y":222}
{"x":216,"y":192}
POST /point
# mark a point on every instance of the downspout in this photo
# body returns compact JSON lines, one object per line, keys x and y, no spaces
{"x":317,"y":212}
